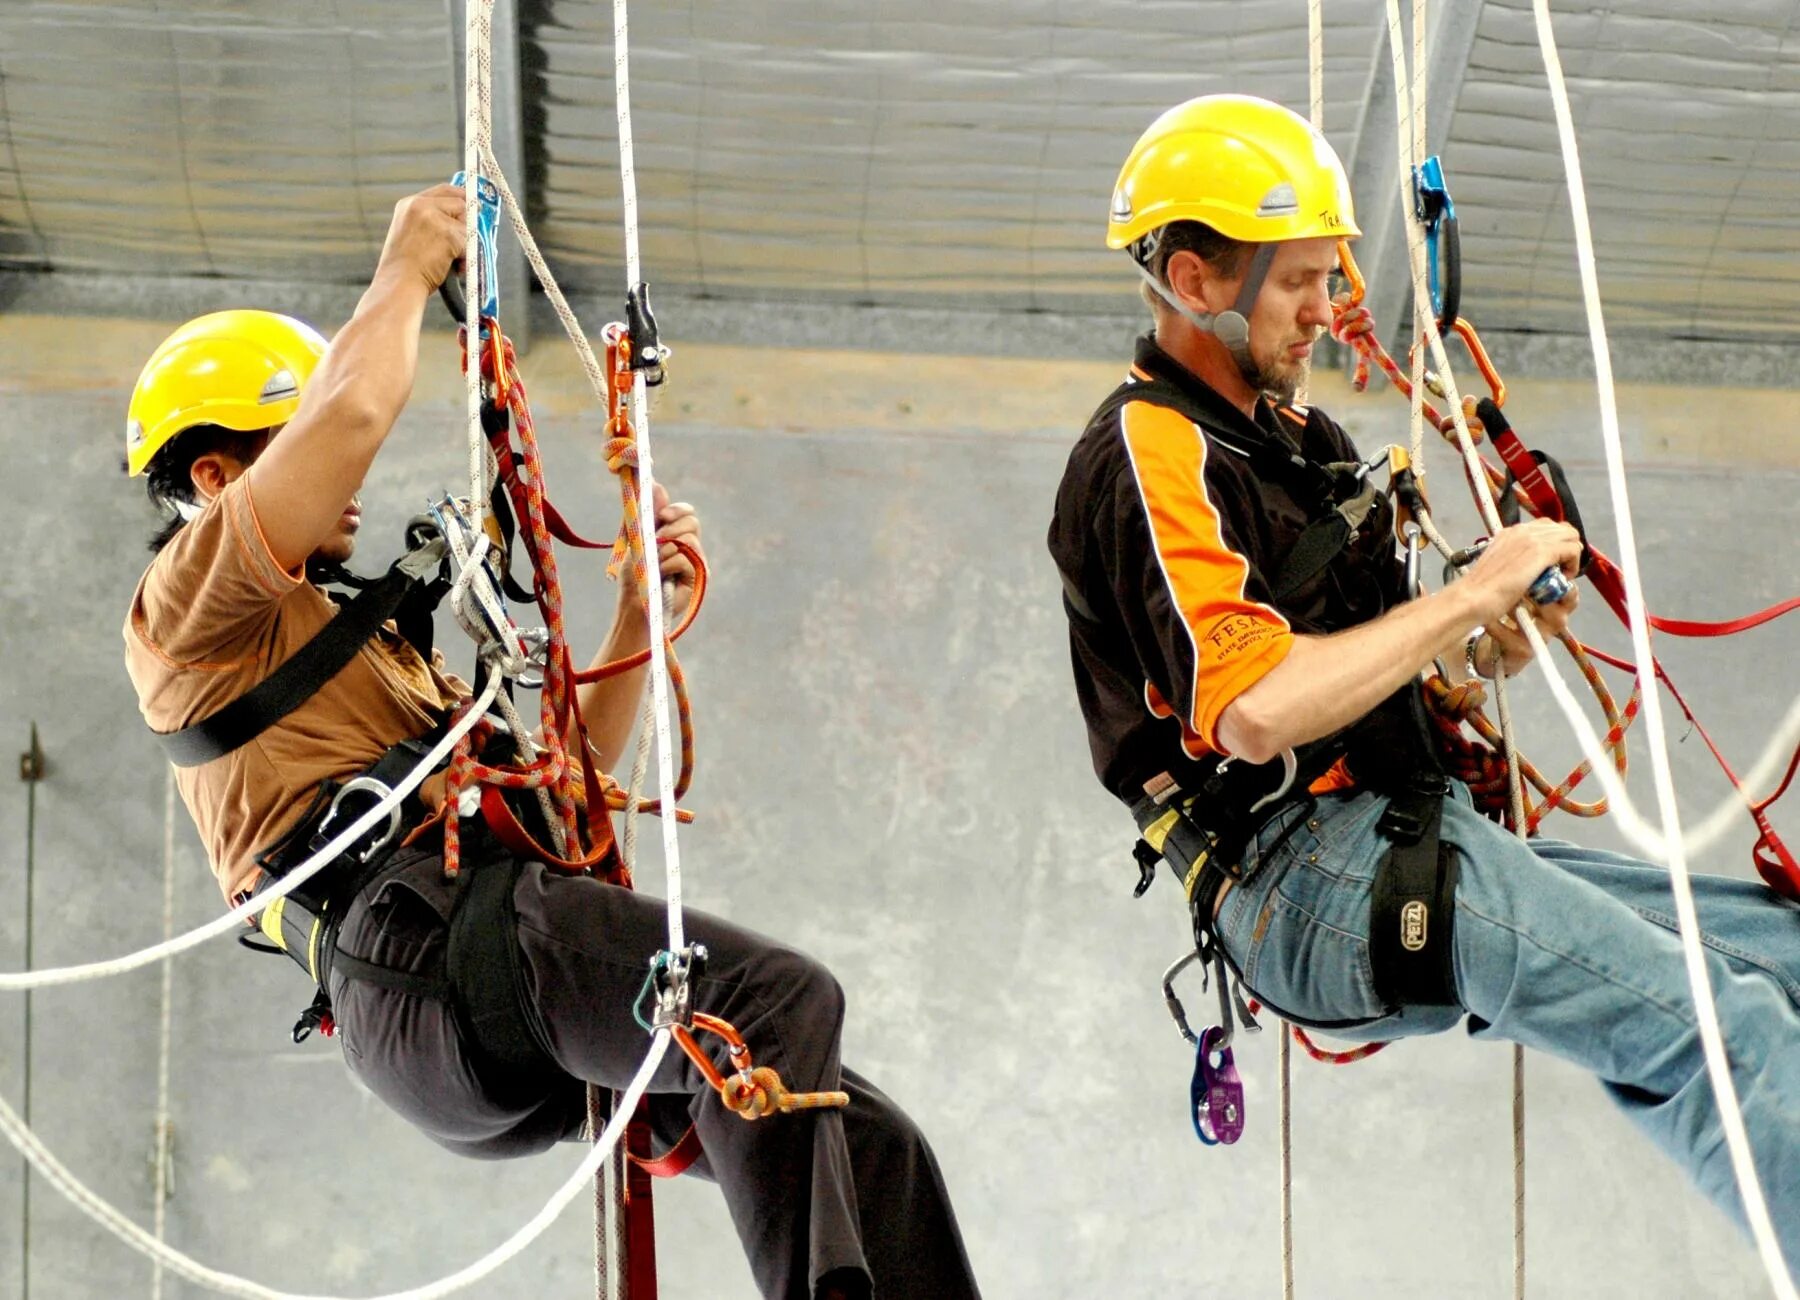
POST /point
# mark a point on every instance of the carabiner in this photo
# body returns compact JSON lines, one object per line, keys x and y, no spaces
{"x":1435,"y":209}
{"x":487,"y":235}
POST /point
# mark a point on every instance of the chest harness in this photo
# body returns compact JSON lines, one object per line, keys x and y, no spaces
{"x":480,"y":974}
{"x":1200,"y":818}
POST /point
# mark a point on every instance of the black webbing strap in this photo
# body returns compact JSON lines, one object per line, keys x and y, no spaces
{"x":300,"y":677}
{"x":487,"y":986}
{"x":480,"y":975}
{"x":1413,"y":910}
{"x":1322,"y":541}
{"x":1336,"y":503}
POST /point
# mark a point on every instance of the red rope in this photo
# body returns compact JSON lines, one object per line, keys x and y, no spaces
{"x":1354,"y":326}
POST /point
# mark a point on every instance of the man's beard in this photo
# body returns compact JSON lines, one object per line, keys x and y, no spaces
{"x":1283,"y":384}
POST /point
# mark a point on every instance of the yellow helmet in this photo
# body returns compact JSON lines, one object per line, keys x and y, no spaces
{"x":240,"y":369}
{"x":1252,"y":170}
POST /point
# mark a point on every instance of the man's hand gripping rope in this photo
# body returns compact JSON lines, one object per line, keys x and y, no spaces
{"x":1523,"y":484}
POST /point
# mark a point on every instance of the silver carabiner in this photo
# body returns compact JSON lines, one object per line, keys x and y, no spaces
{"x":361,"y":785}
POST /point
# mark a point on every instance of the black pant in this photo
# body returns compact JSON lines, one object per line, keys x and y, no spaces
{"x":809,"y":1193}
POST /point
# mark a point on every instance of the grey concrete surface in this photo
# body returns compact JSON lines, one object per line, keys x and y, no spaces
{"x":893,"y":776}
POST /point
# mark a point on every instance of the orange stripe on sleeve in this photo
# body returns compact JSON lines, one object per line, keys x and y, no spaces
{"x":1230,"y":640}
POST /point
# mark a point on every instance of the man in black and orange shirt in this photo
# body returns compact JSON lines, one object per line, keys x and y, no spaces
{"x":1247,"y":650}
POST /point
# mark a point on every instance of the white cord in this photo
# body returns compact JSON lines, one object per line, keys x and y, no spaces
{"x":640,"y":421}
{"x":237,"y":916}
{"x":1315,"y":60}
{"x":1731,"y":1118}
{"x":477,"y":30}
{"x":160,"y":1135}
{"x":58,"y":1176}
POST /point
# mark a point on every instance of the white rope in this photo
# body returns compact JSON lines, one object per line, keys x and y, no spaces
{"x":58,"y":1176}
{"x":1315,"y":60}
{"x":1515,"y":788}
{"x":477,"y":30}
{"x":640,"y":421}
{"x":161,"y":1136}
{"x":1518,"y":1126}
{"x":1283,"y":1057}
{"x":1725,"y":816}
{"x":1315,"y":75}
{"x":1410,"y":111}
{"x":1718,"y":1067}
{"x":1669,"y":842}
{"x":237,"y":916}
{"x":1419,"y":143}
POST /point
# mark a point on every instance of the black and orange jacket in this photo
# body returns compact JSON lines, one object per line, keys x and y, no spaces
{"x":1174,"y":515}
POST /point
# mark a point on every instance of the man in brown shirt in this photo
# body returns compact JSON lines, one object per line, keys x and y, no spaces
{"x":256,"y":435}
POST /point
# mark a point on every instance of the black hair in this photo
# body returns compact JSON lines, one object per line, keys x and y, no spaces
{"x":169,"y":476}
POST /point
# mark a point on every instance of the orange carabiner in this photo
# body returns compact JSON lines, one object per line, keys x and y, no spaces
{"x":1472,"y":341}
{"x":1353,"y":273}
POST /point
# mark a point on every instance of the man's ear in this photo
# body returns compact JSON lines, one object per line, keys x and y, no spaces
{"x":212,"y":471}
{"x":1196,"y":282}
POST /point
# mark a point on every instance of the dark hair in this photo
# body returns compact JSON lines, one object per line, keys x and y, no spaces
{"x":169,"y":476}
{"x":1223,"y":254}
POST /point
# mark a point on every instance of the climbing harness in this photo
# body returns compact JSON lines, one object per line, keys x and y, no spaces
{"x":403,"y":594}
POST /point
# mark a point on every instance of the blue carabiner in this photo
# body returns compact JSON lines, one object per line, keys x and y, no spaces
{"x":1433,"y":206}
{"x":487,"y":233}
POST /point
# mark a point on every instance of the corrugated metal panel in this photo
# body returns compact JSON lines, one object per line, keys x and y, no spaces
{"x":1689,"y":129}
{"x":891,"y":152}
{"x":252,"y":138}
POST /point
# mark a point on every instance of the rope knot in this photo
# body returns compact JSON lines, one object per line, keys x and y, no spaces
{"x":1462,"y":700}
{"x":754,"y":1097}
{"x":1352,"y":323}
{"x":621,"y":453}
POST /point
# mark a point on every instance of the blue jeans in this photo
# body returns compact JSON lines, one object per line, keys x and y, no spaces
{"x":1568,"y":950}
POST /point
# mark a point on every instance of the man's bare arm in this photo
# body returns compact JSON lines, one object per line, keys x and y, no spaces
{"x":1328,"y":682}
{"x":304,"y":481}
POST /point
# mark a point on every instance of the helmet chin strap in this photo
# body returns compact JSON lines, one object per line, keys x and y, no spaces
{"x":1232,"y":328}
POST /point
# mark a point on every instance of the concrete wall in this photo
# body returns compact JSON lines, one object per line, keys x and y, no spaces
{"x":893,"y":775}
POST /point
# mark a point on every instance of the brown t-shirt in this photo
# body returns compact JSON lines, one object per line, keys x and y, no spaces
{"x":214,"y":615}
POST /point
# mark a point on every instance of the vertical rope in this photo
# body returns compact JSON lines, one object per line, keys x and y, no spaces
{"x":1731,"y":1118}
{"x":1518,"y":1112}
{"x":617,"y":1170}
{"x":640,"y":422}
{"x":1515,"y":786}
{"x":476,"y":32}
{"x":1411,"y":146}
{"x":1315,"y":60}
{"x":161,"y":1135}
{"x":1419,"y":144}
{"x":1283,"y":1059}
